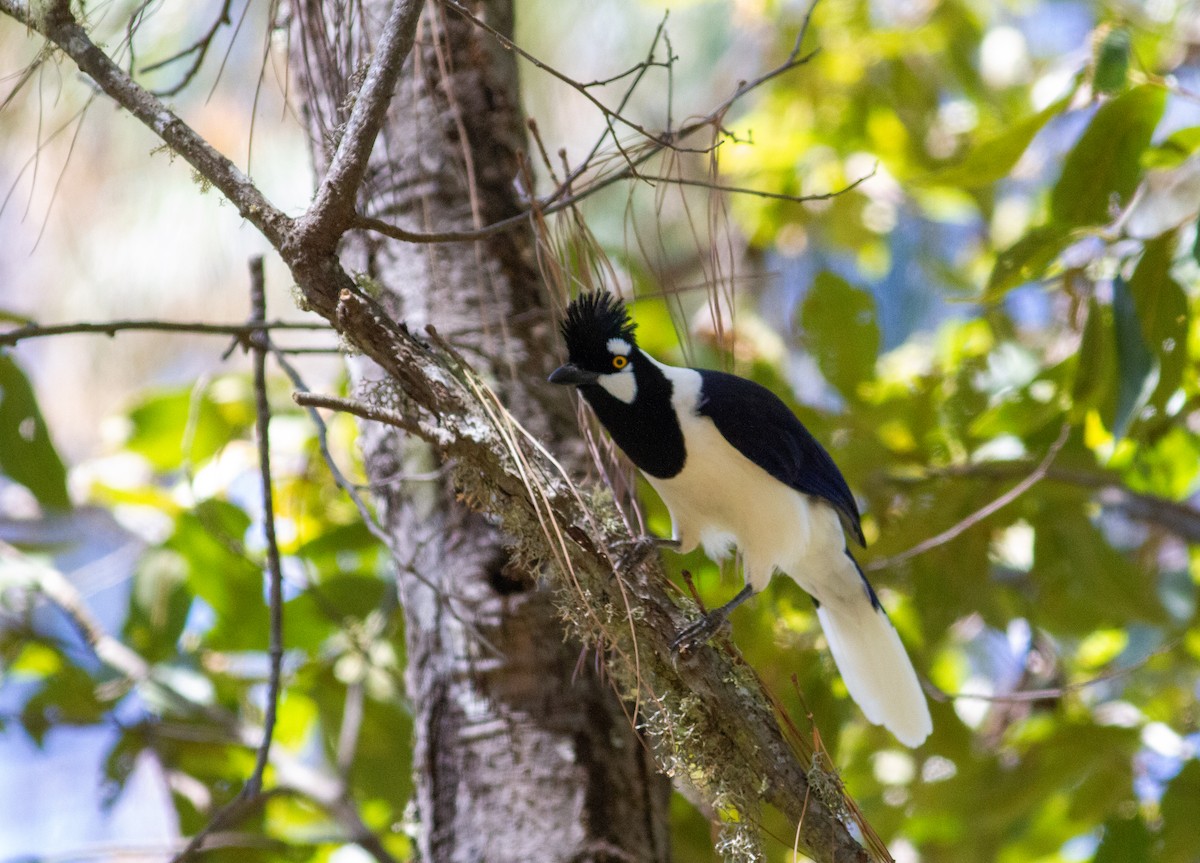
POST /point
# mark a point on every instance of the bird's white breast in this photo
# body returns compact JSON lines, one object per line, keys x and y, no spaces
{"x":721,"y":498}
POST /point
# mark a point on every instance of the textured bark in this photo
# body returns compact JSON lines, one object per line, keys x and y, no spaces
{"x":519,"y":755}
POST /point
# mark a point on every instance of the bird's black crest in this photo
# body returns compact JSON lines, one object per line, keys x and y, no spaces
{"x":592,"y":319}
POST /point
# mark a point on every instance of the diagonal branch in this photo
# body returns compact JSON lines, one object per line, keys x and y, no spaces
{"x":57,"y":25}
{"x":983,"y":512}
{"x":333,"y":207}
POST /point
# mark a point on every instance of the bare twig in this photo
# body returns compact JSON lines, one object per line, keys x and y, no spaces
{"x":563,"y":197}
{"x":757,"y":193}
{"x":111,"y":328}
{"x":262,"y":410}
{"x":362,"y":410}
{"x":304,"y":397}
{"x":198,"y":50}
{"x":1178,"y":518}
{"x":1023,"y":695}
{"x":609,"y":114}
{"x":248,"y":797}
{"x":57,"y":25}
{"x":983,"y":512}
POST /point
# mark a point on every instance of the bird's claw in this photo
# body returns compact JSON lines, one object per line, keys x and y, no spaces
{"x":699,"y":631}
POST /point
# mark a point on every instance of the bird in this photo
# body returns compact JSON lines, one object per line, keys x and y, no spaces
{"x":736,"y":468}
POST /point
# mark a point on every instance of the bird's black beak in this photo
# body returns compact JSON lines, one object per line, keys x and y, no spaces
{"x":573,"y":375}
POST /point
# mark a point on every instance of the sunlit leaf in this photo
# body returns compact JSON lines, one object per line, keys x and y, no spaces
{"x":27,"y":455}
{"x":1103,"y":168}
{"x":1162,"y":313}
{"x":993,"y":159}
{"x":1025,"y":260}
{"x":188,"y":424}
{"x":1174,"y":149}
{"x":840,"y":331}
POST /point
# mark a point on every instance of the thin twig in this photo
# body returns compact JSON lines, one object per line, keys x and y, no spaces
{"x":758,"y":193}
{"x":262,"y":410}
{"x":358,"y":409}
{"x":56,"y":24}
{"x":111,"y":328}
{"x":665,"y":140}
{"x":310,"y":401}
{"x":1179,"y":518}
{"x":251,"y":791}
{"x":199,"y":48}
{"x":562,"y":197}
{"x":983,"y":512}
{"x":1024,"y":695}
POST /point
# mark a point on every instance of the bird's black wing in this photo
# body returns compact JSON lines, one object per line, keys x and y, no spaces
{"x":763,"y":429}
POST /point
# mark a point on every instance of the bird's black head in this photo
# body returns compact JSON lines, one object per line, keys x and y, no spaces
{"x":599,"y":337}
{"x":628,"y":391}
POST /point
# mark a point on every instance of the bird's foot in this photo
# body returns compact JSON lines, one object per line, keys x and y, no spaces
{"x":699,"y":631}
{"x":634,"y":552}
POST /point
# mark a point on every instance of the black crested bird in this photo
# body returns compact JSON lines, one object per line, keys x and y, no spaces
{"x":735,"y":467}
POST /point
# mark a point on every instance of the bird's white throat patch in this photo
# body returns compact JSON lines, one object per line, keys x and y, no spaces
{"x":619,"y":347}
{"x":620,"y":385}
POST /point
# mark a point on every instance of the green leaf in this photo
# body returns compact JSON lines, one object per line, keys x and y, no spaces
{"x":1025,"y":260}
{"x":841,"y":332}
{"x":66,"y":698}
{"x":12,"y":317}
{"x":184,"y":425}
{"x":211,"y":540}
{"x":1095,"y":370}
{"x":27,"y":455}
{"x":1081,"y":582}
{"x":1173,"y":150}
{"x":1137,"y":370}
{"x":1111,"y":66}
{"x":158,"y":605}
{"x":1126,"y":840}
{"x":1180,"y":803}
{"x":1162,"y":312}
{"x":992,"y":160}
{"x":1103,"y":168}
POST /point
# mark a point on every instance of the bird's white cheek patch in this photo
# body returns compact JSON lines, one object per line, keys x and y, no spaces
{"x":621,"y":385}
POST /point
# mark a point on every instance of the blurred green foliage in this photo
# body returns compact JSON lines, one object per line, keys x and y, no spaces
{"x":1037,"y":205}
{"x":1023,"y":259}
{"x":197,"y":618}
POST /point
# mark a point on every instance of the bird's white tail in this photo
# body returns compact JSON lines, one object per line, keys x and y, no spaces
{"x":876,"y":669}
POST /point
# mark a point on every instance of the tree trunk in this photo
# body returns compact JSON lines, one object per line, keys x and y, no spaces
{"x":521,"y":752}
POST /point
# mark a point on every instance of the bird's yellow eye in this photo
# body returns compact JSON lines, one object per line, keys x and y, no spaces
{"x":619,"y":362}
